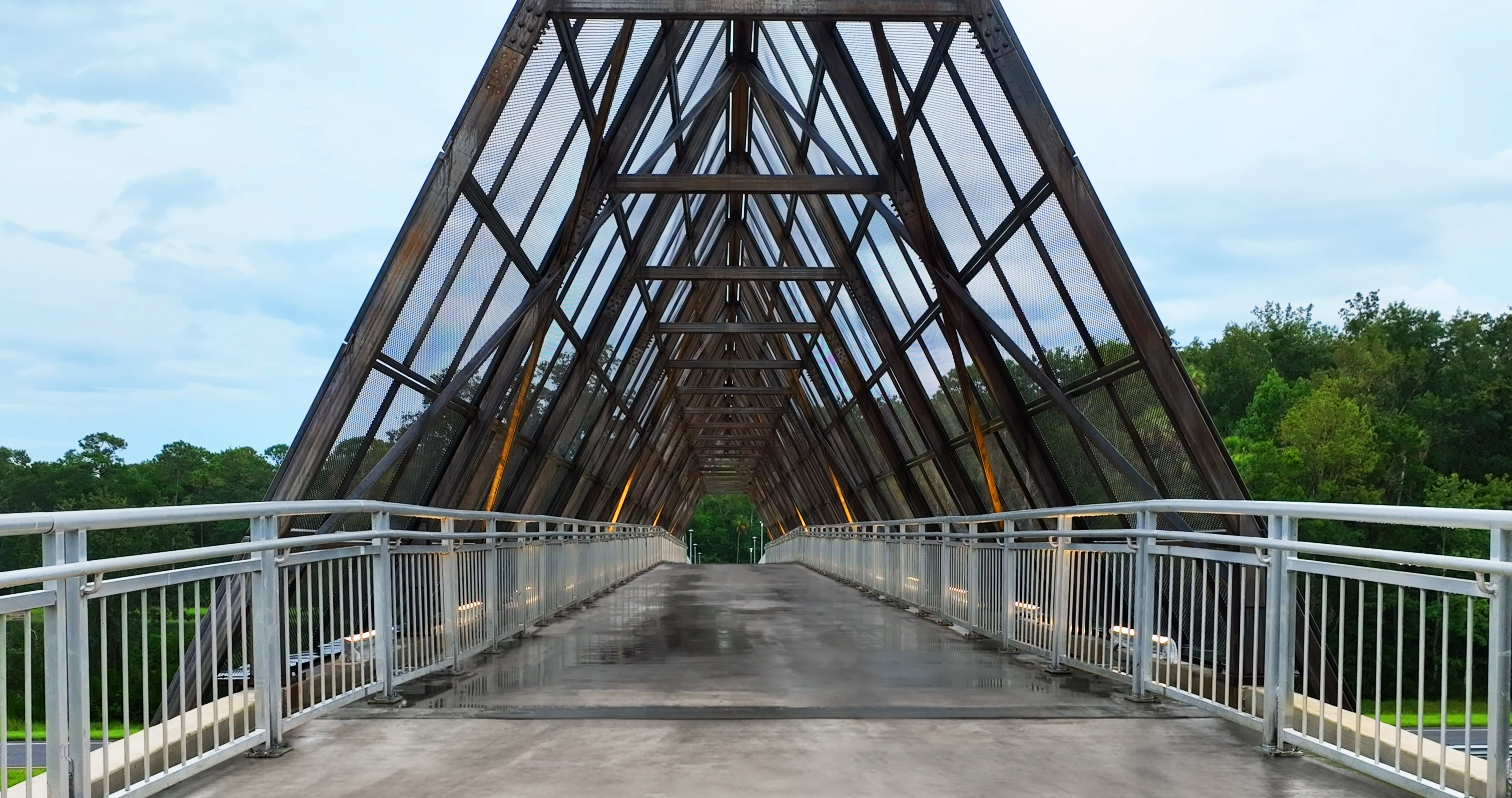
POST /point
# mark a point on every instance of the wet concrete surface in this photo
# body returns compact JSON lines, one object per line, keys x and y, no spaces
{"x":766,"y":680}
{"x":740,"y":641}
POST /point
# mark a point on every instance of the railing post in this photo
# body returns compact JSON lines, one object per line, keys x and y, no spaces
{"x":55,"y":624}
{"x":493,"y":608}
{"x":1280,"y":614}
{"x":385,"y":651}
{"x":1499,"y":671}
{"x":944,"y":571}
{"x":1060,"y":610}
{"x":1142,"y":645}
{"x":451,"y":595}
{"x":1010,"y":588}
{"x":267,"y":648}
{"x":74,"y":604}
{"x":973,"y":582}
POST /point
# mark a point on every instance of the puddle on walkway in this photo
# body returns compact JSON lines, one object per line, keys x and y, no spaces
{"x":751,"y":636}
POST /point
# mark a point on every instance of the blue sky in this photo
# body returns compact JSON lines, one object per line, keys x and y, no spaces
{"x":196,"y":197}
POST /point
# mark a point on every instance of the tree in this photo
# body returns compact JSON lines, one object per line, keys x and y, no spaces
{"x":723,"y":524}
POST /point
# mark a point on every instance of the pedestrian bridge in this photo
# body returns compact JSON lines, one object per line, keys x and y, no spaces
{"x":1042,"y":651}
{"x":836,"y":255}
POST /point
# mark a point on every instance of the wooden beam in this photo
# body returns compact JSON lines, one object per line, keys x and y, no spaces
{"x":730,"y":390}
{"x":766,"y":9}
{"x":725,"y":183}
{"x":737,"y":327}
{"x":732,"y":424}
{"x":734,"y":364}
{"x":725,"y":273}
{"x":695,"y":411}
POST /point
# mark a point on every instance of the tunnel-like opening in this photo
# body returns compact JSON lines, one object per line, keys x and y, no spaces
{"x":725,"y":528}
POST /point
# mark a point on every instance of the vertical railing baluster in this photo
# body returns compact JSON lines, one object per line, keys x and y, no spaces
{"x":75,"y":608}
{"x":451,"y":594}
{"x":385,"y":649}
{"x":973,"y":585}
{"x":1498,"y":672}
{"x":1143,"y":645}
{"x":492,"y":606}
{"x":57,"y":679}
{"x":1010,"y":588}
{"x":1060,"y":609}
{"x":1280,"y":614}
{"x":267,"y":632}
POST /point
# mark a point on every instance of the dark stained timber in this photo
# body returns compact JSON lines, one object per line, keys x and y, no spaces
{"x":652,"y":215}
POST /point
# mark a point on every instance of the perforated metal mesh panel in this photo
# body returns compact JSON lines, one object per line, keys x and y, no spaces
{"x":830,"y":263}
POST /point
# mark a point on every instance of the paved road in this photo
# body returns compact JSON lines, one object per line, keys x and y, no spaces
{"x":725,"y":680}
{"x":1455,"y":738}
{"x":15,"y":754}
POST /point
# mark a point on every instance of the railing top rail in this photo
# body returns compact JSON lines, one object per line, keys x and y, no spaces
{"x":1412,"y":558}
{"x":1439,"y":517}
{"x":123,"y":518}
{"x":28,"y":576}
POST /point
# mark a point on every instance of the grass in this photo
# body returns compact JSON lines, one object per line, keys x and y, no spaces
{"x":14,"y":776}
{"x":16,"y":731}
{"x":1432,"y":713}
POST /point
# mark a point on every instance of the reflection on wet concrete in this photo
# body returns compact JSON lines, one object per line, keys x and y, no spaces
{"x":756,"y":641}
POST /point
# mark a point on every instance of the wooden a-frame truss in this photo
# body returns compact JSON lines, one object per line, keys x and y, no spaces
{"x":837,"y":255}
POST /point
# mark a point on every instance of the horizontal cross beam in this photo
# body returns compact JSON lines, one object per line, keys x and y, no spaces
{"x":734,"y":364}
{"x":738,"y":327}
{"x":759,"y":411}
{"x":724,"y":183}
{"x":767,"y":9}
{"x":731,"y":390}
{"x":726,"y":273}
{"x":732,"y":424}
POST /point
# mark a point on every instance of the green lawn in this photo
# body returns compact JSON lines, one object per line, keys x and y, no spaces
{"x":14,"y":776}
{"x":1431,"y":713}
{"x":16,"y":731}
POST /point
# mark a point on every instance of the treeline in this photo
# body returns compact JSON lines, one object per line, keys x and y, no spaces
{"x":1395,"y":405}
{"x":96,"y":476}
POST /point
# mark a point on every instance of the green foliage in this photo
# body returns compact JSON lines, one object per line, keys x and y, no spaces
{"x":1391,"y":406}
{"x":1281,"y":340}
{"x":95,"y":476}
{"x":723,"y":523}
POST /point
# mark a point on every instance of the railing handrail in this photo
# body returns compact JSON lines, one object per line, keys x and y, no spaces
{"x":1418,"y":559}
{"x":1439,"y":517}
{"x":127,"y":517}
{"x":1393,"y":514}
{"x":28,"y":576}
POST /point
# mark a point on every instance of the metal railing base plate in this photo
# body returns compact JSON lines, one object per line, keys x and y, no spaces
{"x":1283,"y":751}
{"x":269,"y":751}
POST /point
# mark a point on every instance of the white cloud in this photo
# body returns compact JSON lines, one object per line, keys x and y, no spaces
{"x":197,"y":200}
{"x":1297,"y":151}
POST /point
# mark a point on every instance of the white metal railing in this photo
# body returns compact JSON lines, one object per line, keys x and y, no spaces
{"x":264,"y":634}
{"x":1344,"y":652}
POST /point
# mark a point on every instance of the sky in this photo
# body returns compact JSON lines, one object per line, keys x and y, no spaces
{"x":194,"y":198}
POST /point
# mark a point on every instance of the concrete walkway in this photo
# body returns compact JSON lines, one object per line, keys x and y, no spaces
{"x":766,"y":680}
